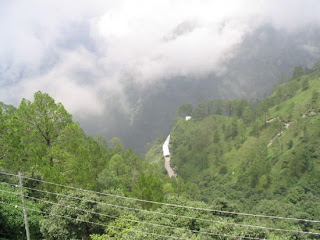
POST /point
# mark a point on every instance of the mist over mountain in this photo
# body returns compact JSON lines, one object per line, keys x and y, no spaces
{"x":259,"y":62}
{"x":93,"y":128}
{"x":122,"y":68}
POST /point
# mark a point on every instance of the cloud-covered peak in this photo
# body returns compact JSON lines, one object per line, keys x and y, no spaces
{"x":81,"y":53}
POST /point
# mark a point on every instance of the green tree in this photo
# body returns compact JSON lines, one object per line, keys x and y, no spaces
{"x":7,"y":108}
{"x":43,"y":121}
{"x":75,"y":224}
{"x":119,"y":228}
{"x":168,"y":189}
{"x":116,"y":144}
{"x":264,"y":181}
{"x":216,"y":136}
{"x":230,"y":107}
{"x":247,"y":115}
{"x":240,"y":107}
{"x":3,"y":130}
{"x":219,"y":107}
{"x":297,"y":72}
{"x":10,"y":145}
{"x":200,"y":111}
{"x":116,"y":165}
{"x":150,"y":188}
{"x":234,"y":127}
{"x":184,"y":110}
{"x":11,"y":218}
{"x":305,"y":84}
{"x":315,"y":99}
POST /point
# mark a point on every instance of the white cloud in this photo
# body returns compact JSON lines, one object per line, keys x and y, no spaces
{"x":146,"y":40}
{"x":66,"y":84}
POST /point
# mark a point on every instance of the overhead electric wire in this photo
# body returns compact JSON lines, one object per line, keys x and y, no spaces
{"x":13,"y":185}
{"x":9,"y":174}
{"x":176,"y":215}
{"x":160,"y":225}
{"x":142,"y":222}
{"x":144,"y":232}
{"x":169,"y":204}
{"x":132,"y":220}
{"x":176,"y":205}
{"x":94,"y":223}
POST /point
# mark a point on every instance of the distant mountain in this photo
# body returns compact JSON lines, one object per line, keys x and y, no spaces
{"x":265,"y":57}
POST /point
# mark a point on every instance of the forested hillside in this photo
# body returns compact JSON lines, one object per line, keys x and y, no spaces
{"x":40,"y":139}
{"x":261,"y":157}
{"x":245,"y":171}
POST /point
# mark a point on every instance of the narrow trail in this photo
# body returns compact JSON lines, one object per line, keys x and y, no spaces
{"x":287,"y":124}
{"x":168,"y":167}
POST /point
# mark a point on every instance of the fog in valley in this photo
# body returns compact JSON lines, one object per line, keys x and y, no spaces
{"x":123,"y":67}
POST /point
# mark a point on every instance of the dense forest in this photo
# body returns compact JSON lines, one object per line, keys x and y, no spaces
{"x":238,"y":163}
{"x":260,"y":157}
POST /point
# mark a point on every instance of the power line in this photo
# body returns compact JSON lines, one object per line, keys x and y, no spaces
{"x":173,"y":215}
{"x":174,"y":228}
{"x":9,"y":174}
{"x":179,"y":216}
{"x":13,"y":185}
{"x":132,"y":220}
{"x":94,"y":223}
{"x":159,"y":225}
{"x":176,"y":205}
{"x":147,"y":223}
{"x":169,"y":204}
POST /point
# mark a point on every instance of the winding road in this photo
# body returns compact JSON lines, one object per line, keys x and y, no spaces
{"x":167,"y":159}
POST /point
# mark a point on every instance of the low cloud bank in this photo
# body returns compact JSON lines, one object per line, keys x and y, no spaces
{"x":84,"y":53}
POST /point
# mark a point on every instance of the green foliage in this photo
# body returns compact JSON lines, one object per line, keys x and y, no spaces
{"x":148,"y":188}
{"x":297,"y":72}
{"x":37,"y":128}
{"x":240,"y":108}
{"x":264,"y":155}
{"x":185,"y":110}
{"x":234,"y":156}
{"x":305,"y":84}
{"x":59,"y":228}
{"x":41,"y":139}
{"x":116,"y":165}
{"x":11,"y":218}
{"x":5,"y":108}
{"x":155,"y":155}
{"x":315,"y":99}
{"x":119,"y":228}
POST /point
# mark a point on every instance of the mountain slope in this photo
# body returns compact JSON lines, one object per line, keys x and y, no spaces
{"x":264,"y":56}
{"x":258,"y":157}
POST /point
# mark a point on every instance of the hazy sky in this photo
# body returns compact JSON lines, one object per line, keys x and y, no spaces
{"x":81,"y":52}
